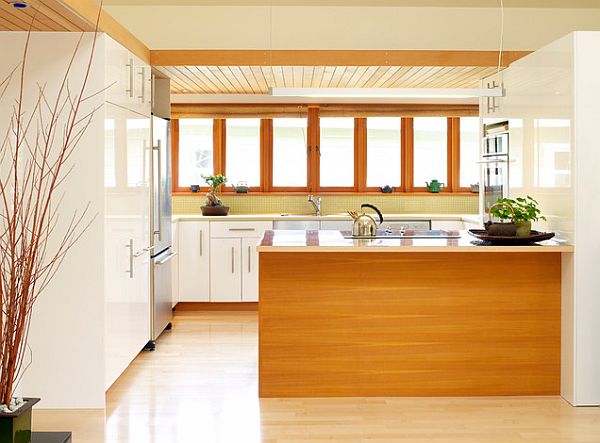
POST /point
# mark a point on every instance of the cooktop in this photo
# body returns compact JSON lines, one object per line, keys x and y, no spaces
{"x":408,"y":233}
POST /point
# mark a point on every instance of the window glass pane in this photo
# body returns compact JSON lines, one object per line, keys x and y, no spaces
{"x":552,"y":150}
{"x":195,"y":150}
{"x":431,"y":143}
{"x":243,"y":151}
{"x":337,"y":152}
{"x":469,"y":151}
{"x":289,"y":152}
{"x":383,"y":151}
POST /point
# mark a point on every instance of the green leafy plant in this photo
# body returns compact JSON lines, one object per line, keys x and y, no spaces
{"x":214,"y":182}
{"x":525,"y":208}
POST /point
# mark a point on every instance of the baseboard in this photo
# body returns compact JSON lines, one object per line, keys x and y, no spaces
{"x":216,"y":306}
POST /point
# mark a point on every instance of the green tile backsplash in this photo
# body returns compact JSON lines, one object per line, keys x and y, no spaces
{"x":331,"y":204}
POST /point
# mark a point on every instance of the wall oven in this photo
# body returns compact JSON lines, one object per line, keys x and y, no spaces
{"x":495,"y":163}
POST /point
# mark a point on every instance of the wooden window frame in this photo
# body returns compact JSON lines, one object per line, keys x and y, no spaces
{"x":269,"y":139}
{"x":355,"y":140}
{"x":228,"y":188}
{"x":363,"y":156}
{"x":218,"y":155}
{"x":313,"y":159}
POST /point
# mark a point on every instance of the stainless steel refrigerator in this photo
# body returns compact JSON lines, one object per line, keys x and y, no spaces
{"x":160,"y":224}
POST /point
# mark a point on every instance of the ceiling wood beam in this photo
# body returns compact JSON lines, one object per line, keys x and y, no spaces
{"x":211,"y":57}
{"x":88,"y":10}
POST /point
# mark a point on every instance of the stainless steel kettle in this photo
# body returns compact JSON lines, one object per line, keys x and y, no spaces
{"x":365,"y":225}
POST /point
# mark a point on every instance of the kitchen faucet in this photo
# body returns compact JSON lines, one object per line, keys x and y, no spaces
{"x":316,"y":202}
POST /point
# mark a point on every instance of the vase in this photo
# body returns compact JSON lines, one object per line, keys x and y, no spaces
{"x":523,"y":228}
{"x":15,"y":427}
{"x":215,"y":210}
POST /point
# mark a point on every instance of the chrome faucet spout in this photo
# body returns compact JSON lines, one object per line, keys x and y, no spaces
{"x":316,"y":202}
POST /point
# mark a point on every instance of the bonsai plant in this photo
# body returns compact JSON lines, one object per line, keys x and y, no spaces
{"x":524,"y":211}
{"x":214,"y":205}
{"x":43,"y":129}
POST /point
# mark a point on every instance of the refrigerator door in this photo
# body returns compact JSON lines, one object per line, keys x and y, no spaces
{"x":161,"y":292}
{"x":161,"y":183}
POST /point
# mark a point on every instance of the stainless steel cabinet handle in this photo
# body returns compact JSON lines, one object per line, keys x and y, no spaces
{"x":483,"y":162}
{"x":159,"y":168}
{"x":232,"y":260}
{"x":201,"y":243}
{"x":130,"y":66}
{"x":131,"y":256}
{"x":242,"y":229}
{"x":142,"y":96}
{"x":169,"y":257}
{"x":249,"y":260}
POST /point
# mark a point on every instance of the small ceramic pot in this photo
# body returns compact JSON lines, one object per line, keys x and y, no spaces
{"x":501,"y":229}
{"x":523,"y":228}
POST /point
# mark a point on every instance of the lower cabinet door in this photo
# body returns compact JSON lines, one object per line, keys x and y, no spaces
{"x":249,"y":269}
{"x":193,"y":261}
{"x":225,"y":270}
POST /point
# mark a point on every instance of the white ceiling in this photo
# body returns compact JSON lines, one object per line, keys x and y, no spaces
{"x":419,"y":3}
{"x":358,"y":25}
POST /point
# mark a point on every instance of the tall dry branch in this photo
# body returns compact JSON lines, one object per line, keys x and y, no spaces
{"x":35,"y":160}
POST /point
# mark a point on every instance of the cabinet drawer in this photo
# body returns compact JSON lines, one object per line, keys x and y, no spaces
{"x":239,"y":229}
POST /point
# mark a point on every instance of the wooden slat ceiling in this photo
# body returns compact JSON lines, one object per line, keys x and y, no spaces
{"x":41,"y":15}
{"x":258,"y":79}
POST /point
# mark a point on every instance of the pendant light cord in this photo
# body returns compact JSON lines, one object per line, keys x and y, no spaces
{"x":501,"y":45}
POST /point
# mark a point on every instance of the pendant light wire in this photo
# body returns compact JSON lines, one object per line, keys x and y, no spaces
{"x":501,"y":43}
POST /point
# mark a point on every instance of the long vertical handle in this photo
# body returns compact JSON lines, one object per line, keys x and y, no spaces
{"x":232,"y":260}
{"x":249,"y":260}
{"x":159,"y":168}
{"x":131,"y":256}
{"x":201,"y":243}
{"x":130,"y":66}
{"x":142,"y":96}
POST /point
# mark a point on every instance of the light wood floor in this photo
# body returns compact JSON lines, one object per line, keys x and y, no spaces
{"x":200,"y":385}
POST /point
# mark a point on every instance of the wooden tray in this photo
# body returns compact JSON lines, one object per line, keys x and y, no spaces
{"x":535,"y":236}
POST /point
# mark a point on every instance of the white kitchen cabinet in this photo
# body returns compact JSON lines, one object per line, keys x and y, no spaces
{"x":128,"y":78}
{"x":249,"y":269}
{"x":225,"y":270}
{"x":127,"y":279}
{"x":175,"y":264}
{"x":194,"y":261}
{"x":234,"y":260}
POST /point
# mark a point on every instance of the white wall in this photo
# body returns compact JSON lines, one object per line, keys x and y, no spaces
{"x":315,"y":26}
{"x":552,"y":104}
{"x":586,"y":306}
{"x":67,"y":330}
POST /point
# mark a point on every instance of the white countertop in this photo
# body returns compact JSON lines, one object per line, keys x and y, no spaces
{"x":471,"y":218}
{"x":334,"y":241}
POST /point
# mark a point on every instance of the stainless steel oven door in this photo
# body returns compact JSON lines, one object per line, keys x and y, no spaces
{"x":495,"y":180}
{"x":495,"y":144}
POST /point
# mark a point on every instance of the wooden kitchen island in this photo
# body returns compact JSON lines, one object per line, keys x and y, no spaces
{"x":407,"y":317}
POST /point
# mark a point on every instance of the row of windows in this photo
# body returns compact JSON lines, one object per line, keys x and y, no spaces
{"x":243,"y":143}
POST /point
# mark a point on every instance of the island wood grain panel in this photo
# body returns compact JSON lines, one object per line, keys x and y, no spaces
{"x":422,"y":324}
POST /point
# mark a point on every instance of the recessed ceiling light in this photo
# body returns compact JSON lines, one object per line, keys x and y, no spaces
{"x":19,"y":5}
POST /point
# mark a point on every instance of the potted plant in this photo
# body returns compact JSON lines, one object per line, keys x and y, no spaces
{"x":524,"y":211}
{"x":214,"y":205}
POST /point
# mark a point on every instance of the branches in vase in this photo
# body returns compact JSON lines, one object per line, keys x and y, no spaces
{"x":35,"y":162}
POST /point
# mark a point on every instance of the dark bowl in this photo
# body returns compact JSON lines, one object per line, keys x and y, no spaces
{"x":215,"y":210}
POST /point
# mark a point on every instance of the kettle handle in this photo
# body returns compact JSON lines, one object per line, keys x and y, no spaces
{"x":367,"y":205}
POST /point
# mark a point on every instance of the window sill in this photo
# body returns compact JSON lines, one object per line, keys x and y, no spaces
{"x":337,"y":194}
